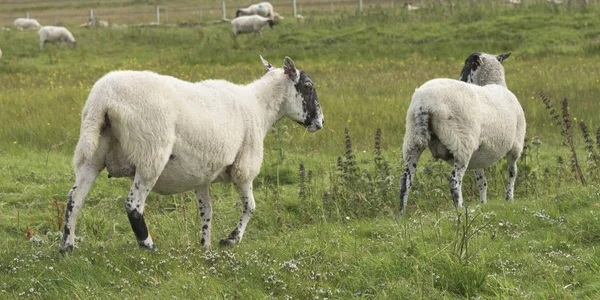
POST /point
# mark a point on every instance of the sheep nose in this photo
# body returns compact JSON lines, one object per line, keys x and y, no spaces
{"x":319,"y":126}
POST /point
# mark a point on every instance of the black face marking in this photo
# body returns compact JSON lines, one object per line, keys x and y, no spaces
{"x":310,"y":100}
{"x":471,"y":64}
{"x":138,"y":225}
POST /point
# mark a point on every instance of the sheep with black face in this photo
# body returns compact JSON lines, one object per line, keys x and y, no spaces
{"x":470,"y":123}
{"x":170,"y":136}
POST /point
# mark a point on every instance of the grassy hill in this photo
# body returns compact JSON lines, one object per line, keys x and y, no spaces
{"x":330,"y":231}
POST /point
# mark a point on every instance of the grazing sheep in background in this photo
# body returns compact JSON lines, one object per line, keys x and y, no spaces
{"x":247,"y":24}
{"x":53,"y":34}
{"x":468,"y":125}
{"x":118,"y":26}
{"x":263,"y":9}
{"x":409,"y":6}
{"x":23,"y":23}
{"x":277,"y":17}
{"x":171,"y":136}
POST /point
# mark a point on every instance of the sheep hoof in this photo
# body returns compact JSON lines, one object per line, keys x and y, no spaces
{"x":150,"y":247}
{"x":227,"y":243}
{"x":65,"y":249}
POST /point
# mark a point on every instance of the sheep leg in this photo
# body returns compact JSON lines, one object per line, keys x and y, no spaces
{"x":245,"y":192}
{"x":411,"y":158}
{"x":134,"y":206}
{"x":456,"y":183}
{"x":512,"y":174}
{"x":481,"y":185}
{"x":203,"y":196}
{"x":84,"y":180}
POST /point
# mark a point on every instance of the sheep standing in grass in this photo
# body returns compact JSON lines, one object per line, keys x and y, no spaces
{"x":23,"y":23}
{"x":171,"y":136}
{"x":53,"y":34}
{"x":247,"y":24}
{"x":468,"y":125}
{"x":263,"y":9}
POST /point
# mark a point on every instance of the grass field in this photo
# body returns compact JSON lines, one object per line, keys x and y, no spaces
{"x":330,"y":230}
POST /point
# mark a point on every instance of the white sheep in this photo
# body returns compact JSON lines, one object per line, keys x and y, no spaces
{"x":468,"y":125}
{"x":409,"y":6}
{"x":247,"y":24}
{"x":171,"y":136}
{"x":53,"y":34}
{"x":263,"y":9}
{"x":23,"y":23}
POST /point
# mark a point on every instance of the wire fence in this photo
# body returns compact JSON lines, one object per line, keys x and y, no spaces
{"x":75,"y":12}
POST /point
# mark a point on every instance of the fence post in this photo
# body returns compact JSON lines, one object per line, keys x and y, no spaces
{"x":157,"y":15}
{"x":331,"y":6}
{"x":92,"y":20}
{"x":224,"y":11}
{"x":200,"y":14}
{"x":359,"y":5}
{"x":294,"y":7}
{"x":166,"y":15}
{"x":27,"y":15}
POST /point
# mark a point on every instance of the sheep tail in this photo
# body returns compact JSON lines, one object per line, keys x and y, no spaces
{"x":421,"y":131}
{"x":93,"y":121}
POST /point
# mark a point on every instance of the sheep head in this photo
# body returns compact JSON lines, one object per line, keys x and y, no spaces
{"x":481,"y":68}
{"x":302,"y":103}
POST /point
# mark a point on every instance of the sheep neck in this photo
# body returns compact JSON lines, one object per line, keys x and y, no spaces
{"x":489,"y":75}
{"x":271,"y":94}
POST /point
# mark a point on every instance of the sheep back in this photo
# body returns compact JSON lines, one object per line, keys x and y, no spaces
{"x":466,"y":116}
{"x":23,"y":23}
{"x":55,"y":34}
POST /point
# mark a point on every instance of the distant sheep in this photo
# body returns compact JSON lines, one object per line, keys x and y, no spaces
{"x":248,"y":24}
{"x":170,"y":136}
{"x":263,"y":9}
{"x":409,"y":6}
{"x":23,"y":23}
{"x":468,"y":125}
{"x":53,"y":34}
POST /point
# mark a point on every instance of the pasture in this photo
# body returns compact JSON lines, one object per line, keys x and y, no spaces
{"x":325,"y":224}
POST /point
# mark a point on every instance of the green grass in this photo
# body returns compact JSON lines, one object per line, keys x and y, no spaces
{"x":347,"y":244}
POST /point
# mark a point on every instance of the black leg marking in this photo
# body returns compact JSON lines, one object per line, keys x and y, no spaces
{"x":138,"y":225}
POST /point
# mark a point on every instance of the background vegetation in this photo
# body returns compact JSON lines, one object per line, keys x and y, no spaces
{"x":325,"y":225}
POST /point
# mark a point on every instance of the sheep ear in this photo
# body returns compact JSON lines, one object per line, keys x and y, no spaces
{"x":290,"y":69}
{"x":502,"y":57}
{"x":268,"y":66}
